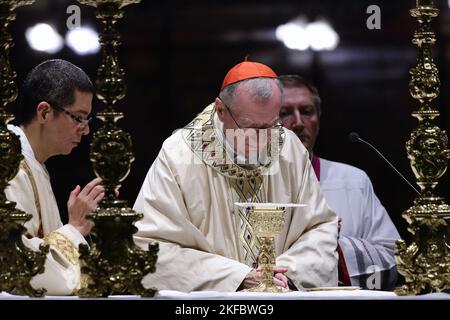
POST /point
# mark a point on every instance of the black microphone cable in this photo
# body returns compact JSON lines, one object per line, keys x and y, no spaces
{"x":354,"y":137}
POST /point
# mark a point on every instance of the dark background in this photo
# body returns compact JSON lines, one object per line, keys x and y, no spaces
{"x":176,"y":53}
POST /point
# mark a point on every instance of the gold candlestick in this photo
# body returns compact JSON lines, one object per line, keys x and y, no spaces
{"x":114,"y":264}
{"x":267,"y":220}
{"x":426,"y":262}
{"x":424,"y":3}
{"x":18,"y":264}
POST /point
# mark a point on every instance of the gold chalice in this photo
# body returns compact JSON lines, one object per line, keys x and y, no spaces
{"x":267,"y":220}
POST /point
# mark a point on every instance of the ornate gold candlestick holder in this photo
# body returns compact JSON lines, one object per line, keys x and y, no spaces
{"x":425,"y":263}
{"x":18,"y":264}
{"x":114,"y":264}
{"x":267,"y":220}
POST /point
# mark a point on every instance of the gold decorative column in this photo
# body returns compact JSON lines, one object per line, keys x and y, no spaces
{"x":425,"y":263}
{"x":114,"y":264}
{"x":18,"y":264}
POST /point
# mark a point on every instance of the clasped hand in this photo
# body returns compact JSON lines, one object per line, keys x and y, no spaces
{"x":253,"y":278}
{"x":82,"y":202}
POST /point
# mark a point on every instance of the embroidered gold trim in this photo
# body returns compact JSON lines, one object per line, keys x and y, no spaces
{"x":246,"y":183}
{"x":63,"y":244}
{"x":201,"y":138}
{"x":24,"y":166}
{"x":247,"y":191}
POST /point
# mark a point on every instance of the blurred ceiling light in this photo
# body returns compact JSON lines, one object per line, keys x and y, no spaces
{"x":299,"y":35}
{"x":83,"y":40}
{"x":43,"y":37}
{"x":322,"y":36}
{"x":293,"y":35}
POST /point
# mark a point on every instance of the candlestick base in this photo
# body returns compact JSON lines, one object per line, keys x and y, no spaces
{"x":114,"y":264}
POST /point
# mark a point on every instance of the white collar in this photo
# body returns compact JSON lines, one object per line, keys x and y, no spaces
{"x":26,"y":147}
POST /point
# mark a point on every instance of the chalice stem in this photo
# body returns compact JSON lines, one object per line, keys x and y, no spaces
{"x":266,"y":260}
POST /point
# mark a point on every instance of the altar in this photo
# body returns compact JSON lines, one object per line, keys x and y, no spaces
{"x":326,"y":294}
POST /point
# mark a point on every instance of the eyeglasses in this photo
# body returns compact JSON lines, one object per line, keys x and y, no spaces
{"x":81,"y":123}
{"x":278,"y":125}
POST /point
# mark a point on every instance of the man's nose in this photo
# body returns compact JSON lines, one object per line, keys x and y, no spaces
{"x":297,"y":120}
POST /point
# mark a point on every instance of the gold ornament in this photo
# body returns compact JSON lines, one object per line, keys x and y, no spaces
{"x":267,"y":221}
{"x":425,"y":263}
{"x":18,"y":264}
{"x":114,"y":264}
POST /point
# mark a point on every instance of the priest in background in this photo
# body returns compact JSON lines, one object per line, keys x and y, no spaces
{"x":367,"y":234}
{"x":188,"y":196}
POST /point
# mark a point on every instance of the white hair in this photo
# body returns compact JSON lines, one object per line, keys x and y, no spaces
{"x":259,"y":88}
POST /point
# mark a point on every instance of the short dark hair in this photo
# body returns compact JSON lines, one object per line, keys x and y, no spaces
{"x":295,"y":81}
{"x":53,"y":81}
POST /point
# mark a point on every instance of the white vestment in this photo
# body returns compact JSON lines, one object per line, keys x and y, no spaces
{"x":367,"y":234}
{"x":33,"y":194}
{"x":188,"y":199}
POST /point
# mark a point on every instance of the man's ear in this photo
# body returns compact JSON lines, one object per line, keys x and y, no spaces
{"x":42,"y":111}
{"x":220,"y":109}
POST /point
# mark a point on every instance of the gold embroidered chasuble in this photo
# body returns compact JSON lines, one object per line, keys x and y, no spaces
{"x":246,"y":183}
{"x":206,"y":242}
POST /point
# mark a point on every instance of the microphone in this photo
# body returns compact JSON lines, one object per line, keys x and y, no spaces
{"x":354,"y":137}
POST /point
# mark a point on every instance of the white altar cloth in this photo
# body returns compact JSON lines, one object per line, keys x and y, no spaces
{"x":296,"y":295}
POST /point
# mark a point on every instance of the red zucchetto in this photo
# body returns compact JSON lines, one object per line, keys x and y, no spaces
{"x":247,"y":70}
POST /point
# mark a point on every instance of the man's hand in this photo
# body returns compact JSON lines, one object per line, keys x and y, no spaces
{"x":82,"y":202}
{"x":253,"y":278}
{"x":280,"y":278}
